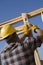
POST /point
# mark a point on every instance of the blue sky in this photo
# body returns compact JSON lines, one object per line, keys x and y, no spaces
{"x":10,"y":9}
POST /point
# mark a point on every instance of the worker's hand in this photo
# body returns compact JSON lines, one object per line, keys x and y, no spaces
{"x":26,"y":30}
{"x":34,"y":27}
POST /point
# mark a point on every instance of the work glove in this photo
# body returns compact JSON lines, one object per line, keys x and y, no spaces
{"x":27,"y":30}
{"x":34,"y":27}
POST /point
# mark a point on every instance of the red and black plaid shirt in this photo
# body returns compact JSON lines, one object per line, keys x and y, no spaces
{"x":21,"y":53}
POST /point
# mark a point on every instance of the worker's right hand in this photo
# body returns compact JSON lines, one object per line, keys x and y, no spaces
{"x":26,"y":30}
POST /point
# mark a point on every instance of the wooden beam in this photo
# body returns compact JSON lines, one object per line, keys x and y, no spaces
{"x":35,"y":13}
{"x":19,"y":19}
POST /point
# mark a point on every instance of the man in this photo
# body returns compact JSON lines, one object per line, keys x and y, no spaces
{"x":20,"y":51}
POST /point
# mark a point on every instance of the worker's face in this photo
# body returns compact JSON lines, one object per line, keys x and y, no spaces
{"x":8,"y":38}
{"x":12,"y":38}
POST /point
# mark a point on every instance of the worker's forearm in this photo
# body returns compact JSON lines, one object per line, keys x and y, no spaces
{"x":40,"y":33}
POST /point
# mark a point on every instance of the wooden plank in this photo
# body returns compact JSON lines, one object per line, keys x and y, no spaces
{"x":19,"y":19}
{"x":35,"y":13}
{"x":37,"y":58}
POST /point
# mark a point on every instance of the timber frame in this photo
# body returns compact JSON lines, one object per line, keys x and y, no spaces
{"x":20,"y":28}
{"x":20,"y":19}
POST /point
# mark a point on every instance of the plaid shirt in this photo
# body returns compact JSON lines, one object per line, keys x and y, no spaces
{"x":21,"y":53}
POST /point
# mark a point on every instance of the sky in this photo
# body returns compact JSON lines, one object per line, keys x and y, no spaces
{"x":10,"y":9}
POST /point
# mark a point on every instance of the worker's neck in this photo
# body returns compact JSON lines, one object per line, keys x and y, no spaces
{"x":14,"y":40}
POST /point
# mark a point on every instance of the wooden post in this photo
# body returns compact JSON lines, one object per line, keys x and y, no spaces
{"x":37,"y":58}
{"x":36,"y":55}
{"x":25,"y":19}
{"x":0,"y":60}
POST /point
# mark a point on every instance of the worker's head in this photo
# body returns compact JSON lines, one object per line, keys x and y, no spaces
{"x":8,"y":32}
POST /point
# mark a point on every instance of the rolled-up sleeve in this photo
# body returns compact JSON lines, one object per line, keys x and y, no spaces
{"x":33,"y":42}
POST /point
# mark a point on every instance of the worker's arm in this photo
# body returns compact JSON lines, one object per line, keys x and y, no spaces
{"x":27,"y":32}
{"x":33,"y":42}
{"x":40,"y":33}
{"x":36,"y":29}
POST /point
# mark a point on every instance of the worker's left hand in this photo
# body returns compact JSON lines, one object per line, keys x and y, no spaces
{"x":34,"y":27}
